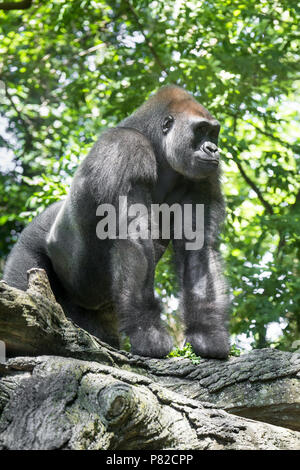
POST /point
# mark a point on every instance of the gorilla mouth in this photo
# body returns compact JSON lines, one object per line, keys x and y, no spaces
{"x":203,"y":157}
{"x":210,"y":160}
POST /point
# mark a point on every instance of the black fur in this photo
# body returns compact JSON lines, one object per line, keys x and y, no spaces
{"x":161,"y":153}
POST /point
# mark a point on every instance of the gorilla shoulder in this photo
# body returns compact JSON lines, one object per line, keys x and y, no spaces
{"x":121,"y":155}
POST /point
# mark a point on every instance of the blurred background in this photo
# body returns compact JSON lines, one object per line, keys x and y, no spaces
{"x":69,"y":69}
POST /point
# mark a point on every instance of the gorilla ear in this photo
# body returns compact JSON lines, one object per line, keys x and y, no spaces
{"x":167,"y":124}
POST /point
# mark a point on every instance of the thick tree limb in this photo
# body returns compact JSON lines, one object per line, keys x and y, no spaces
{"x":263,"y":385}
{"x":59,"y":403}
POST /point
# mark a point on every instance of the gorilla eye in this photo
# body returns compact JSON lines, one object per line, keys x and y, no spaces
{"x":201,"y":130}
{"x":167,"y":124}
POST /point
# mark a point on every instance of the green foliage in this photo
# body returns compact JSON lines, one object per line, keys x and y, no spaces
{"x":73,"y":68}
{"x":235,"y":351}
{"x":125,"y":344}
{"x":166,"y":283}
{"x":51,"y":190}
{"x":187,"y":352}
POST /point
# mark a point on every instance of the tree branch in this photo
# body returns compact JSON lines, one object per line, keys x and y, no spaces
{"x":271,"y":136}
{"x":23,"y":5}
{"x":258,"y":192}
{"x":32,"y":323}
{"x":26,"y":123}
{"x":248,"y":180}
{"x":147,"y":40}
{"x":263,"y":132}
{"x":59,"y":403}
{"x":276,"y":18}
{"x":24,"y":120}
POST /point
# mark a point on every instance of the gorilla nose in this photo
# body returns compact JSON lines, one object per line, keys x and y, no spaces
{"x":210,"y":148}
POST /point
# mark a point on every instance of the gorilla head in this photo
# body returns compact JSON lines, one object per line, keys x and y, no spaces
{"x":183,"y":132}
{"x":190,"y":137}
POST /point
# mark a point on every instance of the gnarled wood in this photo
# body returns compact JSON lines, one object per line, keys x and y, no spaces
{"x":263,"y":385}
{"x":63,"y":403}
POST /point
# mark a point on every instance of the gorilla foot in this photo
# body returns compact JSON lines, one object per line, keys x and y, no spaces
{"x":214,"y":345}
{"x":151,"y":342}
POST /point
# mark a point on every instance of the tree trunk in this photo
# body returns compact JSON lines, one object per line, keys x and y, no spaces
{"x":83,"y":394}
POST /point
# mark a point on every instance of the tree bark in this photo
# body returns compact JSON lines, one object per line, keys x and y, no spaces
{"x":83,"y":394}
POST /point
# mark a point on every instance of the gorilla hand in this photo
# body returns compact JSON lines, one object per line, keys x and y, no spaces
{"x":151,"y":341}
{"x":210,"y":344}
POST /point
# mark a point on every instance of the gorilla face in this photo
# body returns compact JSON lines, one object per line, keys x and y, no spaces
{"x":190,"y":140}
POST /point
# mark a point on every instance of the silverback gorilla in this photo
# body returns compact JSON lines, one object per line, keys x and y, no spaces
{"x":166,"y":152}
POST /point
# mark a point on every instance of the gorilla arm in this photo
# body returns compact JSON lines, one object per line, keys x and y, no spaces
{"x":203,"y":288}
{"x":133,"y":263}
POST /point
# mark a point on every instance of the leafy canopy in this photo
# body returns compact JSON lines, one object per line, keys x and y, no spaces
{"x":70,"y":69}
